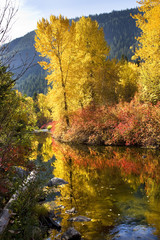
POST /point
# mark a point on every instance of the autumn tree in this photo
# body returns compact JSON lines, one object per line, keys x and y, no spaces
{"x":128,"y":81}
{"x":41,"y":107}
{"x":73,"y":53}
{"x":148,"y":50}
{"x":17,"y":119}
{"x":91,"y":53}
{"x":54,"y":40}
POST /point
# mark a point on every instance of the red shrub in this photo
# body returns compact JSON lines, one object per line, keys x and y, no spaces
{"x":126,"y":123}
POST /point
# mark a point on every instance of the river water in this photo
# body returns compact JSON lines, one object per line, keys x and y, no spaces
{"x":118,"y":188}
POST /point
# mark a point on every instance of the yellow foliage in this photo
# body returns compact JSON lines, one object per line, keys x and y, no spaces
{"x":148,"y":20}
{"x":46,"y":149}
{"x":128,"y":75}
{"x":42,"y":210}
{"x":74,"y":55}
{"x":149,"y":23}
{"x":43,"y":105}
{"x":25,"y":112}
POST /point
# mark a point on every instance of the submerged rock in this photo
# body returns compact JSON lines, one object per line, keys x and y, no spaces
{"x":80,"y":219}
{"x":71,"y":234}
{"x":56,"y":181}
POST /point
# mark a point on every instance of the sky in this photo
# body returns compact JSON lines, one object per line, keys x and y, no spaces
{"x":30,"y":11}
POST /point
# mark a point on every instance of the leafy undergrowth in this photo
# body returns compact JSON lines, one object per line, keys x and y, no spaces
{"x":126,"y":123}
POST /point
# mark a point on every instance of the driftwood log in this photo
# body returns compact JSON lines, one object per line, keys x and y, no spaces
{"x":7,"y":211}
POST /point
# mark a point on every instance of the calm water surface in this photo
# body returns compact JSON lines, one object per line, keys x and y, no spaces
{"x":118,"y":188}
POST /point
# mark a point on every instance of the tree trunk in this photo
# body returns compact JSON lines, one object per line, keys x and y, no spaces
{"x":66,"y":109}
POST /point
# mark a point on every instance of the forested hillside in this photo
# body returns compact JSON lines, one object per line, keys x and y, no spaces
{"x":119,"y":29}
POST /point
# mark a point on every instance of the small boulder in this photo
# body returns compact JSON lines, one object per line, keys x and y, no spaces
{"x":70,"y":211}
{"x":71,"y":234}
{"x":56,"y":181}
{"x":80,"y":219}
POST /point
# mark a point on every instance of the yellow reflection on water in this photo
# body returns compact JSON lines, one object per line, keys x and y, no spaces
{"x":110,"y":185}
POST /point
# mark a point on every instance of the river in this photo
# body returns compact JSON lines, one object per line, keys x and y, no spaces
{"x":117,"y":187}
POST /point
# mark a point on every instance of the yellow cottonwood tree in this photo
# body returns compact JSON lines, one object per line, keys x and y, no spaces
{"x":54,"y":41}
{"x":42,"y":109}
{"x":148,"y":20}
{"x":73,"y":53}
{"x":91,"y":49}
{"x":128,"y":83}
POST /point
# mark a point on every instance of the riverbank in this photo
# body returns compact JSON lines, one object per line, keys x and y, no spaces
{"x":124,"y":124}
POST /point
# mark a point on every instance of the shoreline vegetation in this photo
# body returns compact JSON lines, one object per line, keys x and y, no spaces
{"x":124,"y":124}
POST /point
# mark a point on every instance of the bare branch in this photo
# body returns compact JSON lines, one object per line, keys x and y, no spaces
{"x":8,"y":57}
{"x":7,"y":14}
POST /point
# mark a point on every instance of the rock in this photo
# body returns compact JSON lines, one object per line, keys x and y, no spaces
{"x":40,"y":130}
{"x":59,"y":207}
{"x":49,"y":222}
{"x":70,"y":211}
{"x":12,"y":231}
{"x":79,"y":219}
{"x":71,"y":234}
{"x":51,"y":214}
{"x":56,"y":181}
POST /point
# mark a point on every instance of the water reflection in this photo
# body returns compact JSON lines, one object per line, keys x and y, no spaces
{"x":118,"y":188}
